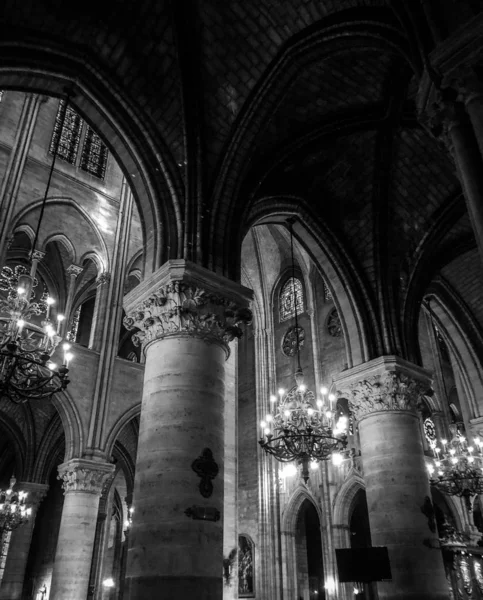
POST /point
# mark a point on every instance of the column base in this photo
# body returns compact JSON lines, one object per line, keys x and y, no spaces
{"x":169,"y":588}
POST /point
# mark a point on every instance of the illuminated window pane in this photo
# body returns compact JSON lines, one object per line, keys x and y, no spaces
{"x":69,"y":136}
{"x":287,"y":300}
{"x":94,"y":154}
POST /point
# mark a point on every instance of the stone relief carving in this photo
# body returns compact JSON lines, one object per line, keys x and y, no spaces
{"x":76,"y":478}
{"x":389,"y":391}
{"x":179,"y":308}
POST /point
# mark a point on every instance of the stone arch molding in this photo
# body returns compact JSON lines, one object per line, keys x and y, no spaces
{"x":357,"y":320}
{"x":344,"y":500}
{"x":290,"y":514}
{"x":45,"y":68}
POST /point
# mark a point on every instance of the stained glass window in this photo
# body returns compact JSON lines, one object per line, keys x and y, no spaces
{"x":287,"y":300}
{"x":69,"y":136}
{"x":94,"y":154}
{"x":327,"y":293}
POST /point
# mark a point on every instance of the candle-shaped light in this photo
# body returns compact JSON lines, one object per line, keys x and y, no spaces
{"x":60,"y":318}
{"x":65,"y":348}
{"x":323,"y":390}
{"x":20,"y":325}
{"x":331,"y":400}
{"x":68,"y":357}
{"x":49,"y":301}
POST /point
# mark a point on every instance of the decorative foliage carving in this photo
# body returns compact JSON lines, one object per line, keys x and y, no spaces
{"x":179,"y":308}
{"x":85,"y":476}
{"x":334,"y":326}
{"x":289,"y":341}
{"x":389,"y":391}
{"x":206,"y":468}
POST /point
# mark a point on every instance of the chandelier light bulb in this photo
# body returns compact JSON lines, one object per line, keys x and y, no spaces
{"x":20,"y":325}
{"x":281,"y":391}
{"x":287,"y":413}
{"x":68,"y":357}
{"x":314,"y":465}
{"x":310,"y":411}
{"x":471,"y":459}
{"x":337,"y":459}
{"x":332,"y":397}
{"x":323,"y":390}
{"x":267,"y":431}
{"x":60,"y":318}
{"x":302,"y":387}
{"x":269,"y":418}
{"x":263,"y":424}
{"x":328,"y":414}
{"x":454,"y":460}
{"x":273,"y":398}
{"x":52,"y":366}
{"x":21,"y":290}
{"x":320,"y":404}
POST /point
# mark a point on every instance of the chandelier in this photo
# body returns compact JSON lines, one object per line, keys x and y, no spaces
{"x":457,"y":466}
{"x":13,"y":508}
{"x":300,"y":428}
{"x":26,"y":347}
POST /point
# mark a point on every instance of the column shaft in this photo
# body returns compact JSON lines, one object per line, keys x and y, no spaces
{"x":469,"y":164}
{"x":83,"y":484}
{"x":396,"y":488}
{"x":185,"y":317}
{"x":182,"y":413}
{"x":384,"y":395}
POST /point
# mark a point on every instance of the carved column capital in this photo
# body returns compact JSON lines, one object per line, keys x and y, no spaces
{"x":74,"y":271}
{"x":388,"y":383}
{"x":103,"y":279}
{"x":446,"y":112}
{"x":88,"y":476}
{"x":37,"y":255}
{"x":390,"y":391}
{"x":183,"y":299}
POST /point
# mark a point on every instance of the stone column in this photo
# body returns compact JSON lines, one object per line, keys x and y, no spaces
{"x":100,"y":311}
{"x":83,"y":482}
{"x":186,"y":316}
{"x":230,"y":513}
{"x":19,"y":546}
{"x":15,"y":167}
{"x":451,"y":122}
{"x":384,"y":394}
{"x":73,"y":271}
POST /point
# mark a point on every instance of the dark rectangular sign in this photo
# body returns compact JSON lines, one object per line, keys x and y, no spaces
{"x":363,"y":564}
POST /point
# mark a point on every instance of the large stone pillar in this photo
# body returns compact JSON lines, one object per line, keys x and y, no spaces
{"x":186,"y":316}
{"x":19,"y":546}
{"x":83,"y":482}
{"x":384,"y":394}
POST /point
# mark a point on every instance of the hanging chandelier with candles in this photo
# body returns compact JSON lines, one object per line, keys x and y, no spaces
{"x":457,"y":466}
{"x":300,"y":428}
{"x":26,"y":347}
{"x":13,"y":508}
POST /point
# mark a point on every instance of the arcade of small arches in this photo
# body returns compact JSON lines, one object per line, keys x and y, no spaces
{"x":166,"y":245}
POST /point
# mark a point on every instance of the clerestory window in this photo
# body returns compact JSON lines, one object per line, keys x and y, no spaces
{"x":291,"y":299}
{"x":93,"y":158}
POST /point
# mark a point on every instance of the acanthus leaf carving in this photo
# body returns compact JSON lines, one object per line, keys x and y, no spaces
{"x":181,"y":308}
{"x":85,"y":476}
{"x":389,"y":391}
